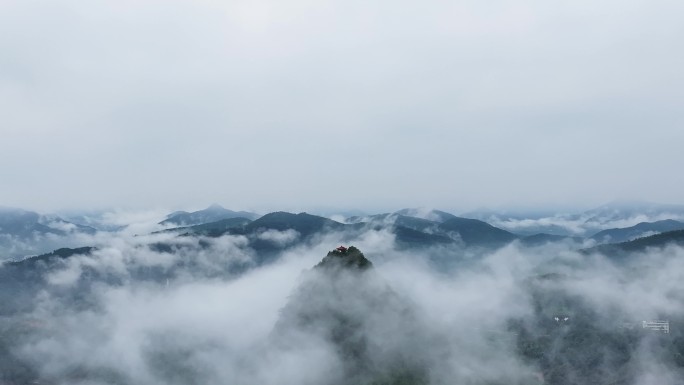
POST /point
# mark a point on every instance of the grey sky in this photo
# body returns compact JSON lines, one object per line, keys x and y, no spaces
{"x":303,"y":103}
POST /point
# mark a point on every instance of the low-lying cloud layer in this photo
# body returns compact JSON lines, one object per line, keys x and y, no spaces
{"x":133,"y":313}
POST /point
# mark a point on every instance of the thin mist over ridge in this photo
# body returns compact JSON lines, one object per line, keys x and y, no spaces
{"x":30,"y":233}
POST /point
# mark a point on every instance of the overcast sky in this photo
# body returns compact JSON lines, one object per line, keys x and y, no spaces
{"x":265,"y":104}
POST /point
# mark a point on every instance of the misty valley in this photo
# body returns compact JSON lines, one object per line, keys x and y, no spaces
{"x":415,"y":296}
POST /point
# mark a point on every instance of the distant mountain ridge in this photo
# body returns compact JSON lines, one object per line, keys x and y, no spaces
{"x":618,"y":210}
{"x":441,"y":228}
{"x":24,"y":232}
{"x":425,"y":215}
{"x":304,"y":223}
{"x":637,"y":231}
{"x":277,"y":231}
{"x":639,"y":245}
{"x":62,"y":253}
{"x":212,"y":213}
{"x":431,"y":215}
{"x":474,"y":232}
{"x":582,"y":223}
{"x":25,"y":224}
{"x":541,"y":239}
{"x":211,"y":229}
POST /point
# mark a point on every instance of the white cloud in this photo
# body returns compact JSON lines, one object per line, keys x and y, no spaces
{"x":279,"y":238}
{"x":222,"y":326}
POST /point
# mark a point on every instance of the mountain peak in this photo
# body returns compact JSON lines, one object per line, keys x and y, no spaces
{"x":215,"y":207}
{"x":343,"y":257}
{"x":343,"y":303}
